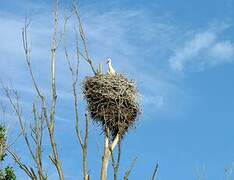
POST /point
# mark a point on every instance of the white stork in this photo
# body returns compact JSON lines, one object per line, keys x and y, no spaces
{"x":111,"y":70}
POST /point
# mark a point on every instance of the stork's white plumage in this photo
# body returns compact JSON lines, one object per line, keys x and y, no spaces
{"x":111,"y":70}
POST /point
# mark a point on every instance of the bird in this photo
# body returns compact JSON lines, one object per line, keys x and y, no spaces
{"x":111,"y":70}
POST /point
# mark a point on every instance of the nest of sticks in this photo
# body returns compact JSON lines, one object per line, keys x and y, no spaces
{"x":112,"y":102}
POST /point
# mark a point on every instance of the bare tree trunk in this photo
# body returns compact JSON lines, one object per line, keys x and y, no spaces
{"x":115,"y":164}
{"x":105,"y":159}
{"x":106,"y":155}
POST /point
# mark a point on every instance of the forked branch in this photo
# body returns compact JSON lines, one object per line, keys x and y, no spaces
{"x":49,"y":116}
{"x":74,"y":70}
{"x":108,"y":148}
{"x":86,"y":55}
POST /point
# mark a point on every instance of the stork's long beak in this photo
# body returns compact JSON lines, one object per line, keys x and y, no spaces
{"x":108,"y":60}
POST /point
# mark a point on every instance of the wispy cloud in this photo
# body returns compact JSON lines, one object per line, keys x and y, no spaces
{"x":202,"y":49}
{"x":138,"y":43}
{"x":121,"y":34}
{"x":124,"y":35}
{"x":222,"y":52}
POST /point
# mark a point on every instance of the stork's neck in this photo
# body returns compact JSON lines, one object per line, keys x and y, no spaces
{"x":109,"y":64}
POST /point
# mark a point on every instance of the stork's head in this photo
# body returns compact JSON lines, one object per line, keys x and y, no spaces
{"x":108,"y":61}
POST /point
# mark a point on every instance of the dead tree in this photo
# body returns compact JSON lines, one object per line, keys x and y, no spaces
{"x":120,"y":119}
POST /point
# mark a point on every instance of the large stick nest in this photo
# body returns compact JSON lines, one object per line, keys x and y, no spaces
{"x":112,"y":102}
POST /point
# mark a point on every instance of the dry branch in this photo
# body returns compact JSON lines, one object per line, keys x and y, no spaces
{"x":155,"y":172}
{"x":51,"y":124}
{"x":86,"y":55}
{"x":49,"y":119}
{"x":28,"y":170}
{"x":74,"y":70}
{"x":127,"y":173}
{"x":36,"y":135}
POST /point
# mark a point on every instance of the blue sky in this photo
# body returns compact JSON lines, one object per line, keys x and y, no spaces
{"x":181,"y":55}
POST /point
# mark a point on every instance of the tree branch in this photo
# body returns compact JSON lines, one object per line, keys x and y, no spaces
{"x":127,"y":173}
{"x":108,"y":148}
{"x":74,"y":74}
{"x":28,"y":170}
{"x":51,"y":124}
{"x":155,"y":172}
{"x":86,"y":55}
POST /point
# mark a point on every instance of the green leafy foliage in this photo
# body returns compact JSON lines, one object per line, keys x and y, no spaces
{"x":8,"y":172}
{"x":2,"y":142}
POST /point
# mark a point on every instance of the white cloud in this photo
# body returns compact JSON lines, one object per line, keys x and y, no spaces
{"x":203,"y":49}
{"x":222,"y":51}
{"x":153,"y":101}
{"x":123,"y":35}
